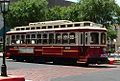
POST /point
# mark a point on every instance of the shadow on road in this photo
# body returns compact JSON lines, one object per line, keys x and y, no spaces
{"x":73,"y":65}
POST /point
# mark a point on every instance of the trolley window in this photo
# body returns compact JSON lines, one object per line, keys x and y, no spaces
{"x":23,"y":39}
{"x":72,"y":38}
{"x":62,"y":26}
{"x":65,"y":38}
{"x":56,"y":26}
{"x":27,"y":28}
{"x":13,"y":39}
{"x":86,"y":24}
{"x":58,"y":38}
{"x":17,"y":39}
{"x":33,"y":38}
{"x":103,"y":38}
{"x":49,"y":27}
{"x":8,"y":39}
{"x":81,"y":38}
{"x":32,"y":28}
{"x":43,"y":27}
{"x":28,"y":39}
{"x":51,"y":38}
{"x":44,"y":38}
{"x":70,"y":25}
{"x":94,"y":38}
{"x":22,"y":28}
{"x":37,"y":27}
{"x":17,"y":29}
{"x":77,"y":25}
{"x":38,"y":38}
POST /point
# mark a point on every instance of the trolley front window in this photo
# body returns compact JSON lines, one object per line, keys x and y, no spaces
{"x":103,"y":38}
{"x":94,"y":38}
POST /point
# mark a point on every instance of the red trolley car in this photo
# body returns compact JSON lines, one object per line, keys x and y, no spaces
{"x":58,"y":41}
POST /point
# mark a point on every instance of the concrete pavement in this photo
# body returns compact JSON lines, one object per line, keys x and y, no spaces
{"x":11,"y":77}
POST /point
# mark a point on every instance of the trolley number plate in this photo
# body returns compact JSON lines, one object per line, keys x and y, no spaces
{"x":26,"y":50}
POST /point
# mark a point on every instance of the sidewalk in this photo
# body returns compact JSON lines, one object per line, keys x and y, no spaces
{"x":11,"y":78}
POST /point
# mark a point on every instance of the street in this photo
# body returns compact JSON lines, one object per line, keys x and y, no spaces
{"x":50,"y":72}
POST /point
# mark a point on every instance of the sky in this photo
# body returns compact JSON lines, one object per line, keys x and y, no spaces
{"x":117,"y":1}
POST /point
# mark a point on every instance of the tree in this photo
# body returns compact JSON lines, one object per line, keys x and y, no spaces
{"x":25,"y":11}
{"x":102,"y":12}
{"x":98,"y":11}
{"x":112,"y":33}
{"x":55,"y":13}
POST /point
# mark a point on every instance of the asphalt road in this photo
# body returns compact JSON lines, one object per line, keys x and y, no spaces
{"x":50,"y":72}
{"x":112,"y":75}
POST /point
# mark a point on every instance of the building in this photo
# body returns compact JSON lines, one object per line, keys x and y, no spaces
{"x":117,"y":40}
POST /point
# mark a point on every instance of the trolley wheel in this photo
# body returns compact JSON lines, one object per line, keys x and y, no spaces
{"x":19,"y":59}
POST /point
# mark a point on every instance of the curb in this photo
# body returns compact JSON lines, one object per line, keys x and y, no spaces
{"x":12,"y":78}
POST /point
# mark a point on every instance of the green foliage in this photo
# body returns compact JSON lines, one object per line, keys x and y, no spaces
{"x":112,"y":33}
{"x":25,"y":11}
{"x":99,"y":11}
{"x":55,"y":13}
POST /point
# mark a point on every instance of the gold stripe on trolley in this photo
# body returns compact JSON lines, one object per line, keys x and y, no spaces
{"x":70,"y":51}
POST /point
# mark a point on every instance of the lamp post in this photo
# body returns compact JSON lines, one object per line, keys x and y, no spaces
{"x":4,"y":4}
